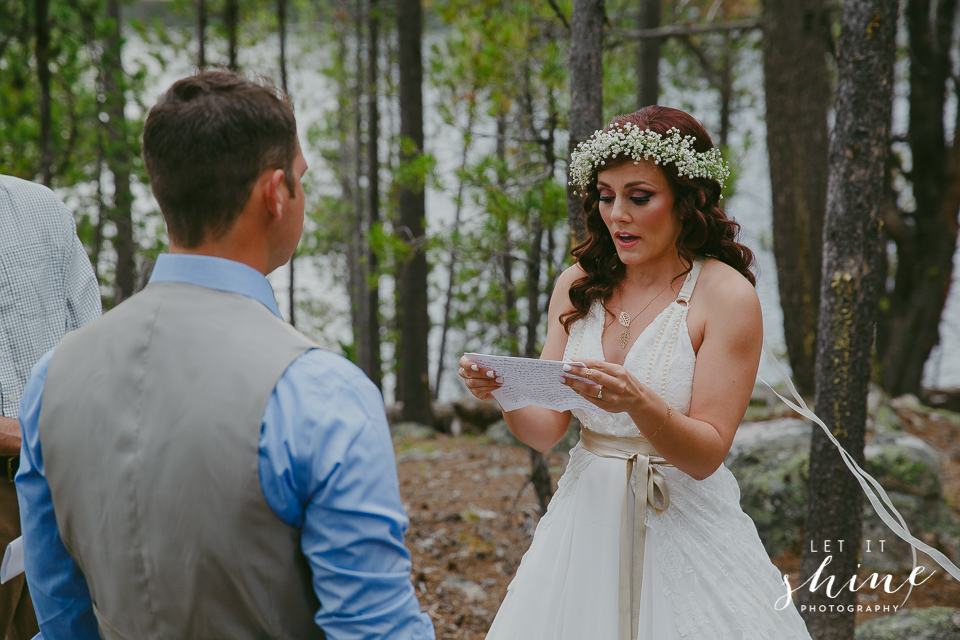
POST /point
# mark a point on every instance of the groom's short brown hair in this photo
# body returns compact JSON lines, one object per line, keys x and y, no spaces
{"x":207,"y":141}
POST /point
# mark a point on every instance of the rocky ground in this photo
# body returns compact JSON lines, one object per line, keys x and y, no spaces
{"x":473,"y":511}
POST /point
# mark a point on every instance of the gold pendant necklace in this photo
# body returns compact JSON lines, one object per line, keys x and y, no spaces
{"x":625,"y":317}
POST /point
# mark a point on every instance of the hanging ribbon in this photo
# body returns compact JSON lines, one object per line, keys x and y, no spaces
{"x":898,"y":526}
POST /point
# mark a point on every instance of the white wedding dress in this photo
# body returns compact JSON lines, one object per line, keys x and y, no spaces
{"x":706,"y":575}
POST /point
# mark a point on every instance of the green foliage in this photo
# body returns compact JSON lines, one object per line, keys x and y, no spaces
{"x":415,"y":169}
{"x":82,"y":135}
{"x":497,"y":72}
{"x":505,"y":62}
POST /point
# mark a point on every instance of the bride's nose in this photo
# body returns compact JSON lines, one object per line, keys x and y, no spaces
{"x":619,"y":212}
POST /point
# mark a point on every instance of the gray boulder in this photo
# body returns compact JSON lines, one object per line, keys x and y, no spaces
{"x":771,"y":462}
{"x":935,"y":623}
{"x":410,"y":432}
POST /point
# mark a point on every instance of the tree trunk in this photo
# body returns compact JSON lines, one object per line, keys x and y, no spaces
{"x":926,"y":238}
{"x":506,"y":246}
{"x":42,"y":52}
{"x":797,"y":93}
{"x":370,"y":360}
{"x":725,"y":77}
{"x":348,"y":180}
{"x":539,"y":470}
{"x":648,"y":54}
{"x":101,"y":207}
{"x":119,"y":156}
{"x":282,"y":34}
{"x":413,"y":321}
{"x":452,"y":267}
{"x":201,"y":34}
{"x":362,"y":294}
{"x":586,"y":89}
{"x":231,"y":19}
{"x":850,"y":293}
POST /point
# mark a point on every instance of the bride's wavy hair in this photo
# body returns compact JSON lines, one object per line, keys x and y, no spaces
{"x":705,"y":230}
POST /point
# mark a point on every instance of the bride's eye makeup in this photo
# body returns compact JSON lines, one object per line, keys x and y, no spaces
{"x":607,"y":195}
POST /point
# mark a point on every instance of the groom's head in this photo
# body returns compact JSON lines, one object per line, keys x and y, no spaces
{"x":210,"y":144}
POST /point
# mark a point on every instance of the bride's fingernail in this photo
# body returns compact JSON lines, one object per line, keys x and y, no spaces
{"x":567,"y":367}
{"x":500,"y":379}
{"x":475,"y":368}
{"x":489,"y":374}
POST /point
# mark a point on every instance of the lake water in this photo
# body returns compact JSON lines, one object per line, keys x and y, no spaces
{"x":320,"y":279}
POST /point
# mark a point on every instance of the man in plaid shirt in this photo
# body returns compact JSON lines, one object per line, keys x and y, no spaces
{"x":47,"y":288}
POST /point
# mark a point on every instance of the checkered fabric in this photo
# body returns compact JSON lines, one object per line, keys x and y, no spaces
{"x":47,"y":284}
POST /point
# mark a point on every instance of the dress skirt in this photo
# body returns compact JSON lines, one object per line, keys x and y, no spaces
{"x":706,"y":574}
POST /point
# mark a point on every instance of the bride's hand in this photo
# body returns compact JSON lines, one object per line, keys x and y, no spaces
{"x":480,"y":382}
{"x":618,"y":389}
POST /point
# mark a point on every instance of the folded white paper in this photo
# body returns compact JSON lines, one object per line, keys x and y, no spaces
{"x":12,"y":565}
{"x":529,"y":381}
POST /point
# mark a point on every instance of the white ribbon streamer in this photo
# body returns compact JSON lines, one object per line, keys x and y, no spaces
{"x":899,"y":527}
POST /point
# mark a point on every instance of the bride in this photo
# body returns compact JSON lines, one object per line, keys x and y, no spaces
{"x":645,"y":538}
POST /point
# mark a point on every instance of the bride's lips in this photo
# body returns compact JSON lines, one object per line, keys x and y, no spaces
{"x":625,"y":240}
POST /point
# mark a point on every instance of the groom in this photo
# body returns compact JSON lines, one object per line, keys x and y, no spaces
{"x":193,"y":467}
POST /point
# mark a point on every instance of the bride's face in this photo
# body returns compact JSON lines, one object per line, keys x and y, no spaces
{"x":636,"y":203}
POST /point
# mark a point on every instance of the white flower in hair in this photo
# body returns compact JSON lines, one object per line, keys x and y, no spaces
{"x":643,"y":144}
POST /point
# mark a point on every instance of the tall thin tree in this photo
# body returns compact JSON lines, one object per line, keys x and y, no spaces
{"x":201,"y":34}
{"x":231,"y":20}
{"x":119,"y":154}
{"x":648,"y":54}
{"x":413,"y":321}
{"x":282,"y":36}
{"x":797,"y":90}
{"x":454,"y":249}
{"x":370,"y":356}
{"x":359,"y":294}
{"x":926,"y":236}
{"x":44,"y":78}
{"x":586,"y":88}
{"x":849,"y":294}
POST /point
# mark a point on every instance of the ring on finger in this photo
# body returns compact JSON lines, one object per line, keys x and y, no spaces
{"x":600,"y":394}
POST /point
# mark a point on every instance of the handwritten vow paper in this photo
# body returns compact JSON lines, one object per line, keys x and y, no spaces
{"x":529,"y":381}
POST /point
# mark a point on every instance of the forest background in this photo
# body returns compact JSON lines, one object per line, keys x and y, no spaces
{"x":438,"y":132}
{"x":76,"y":79}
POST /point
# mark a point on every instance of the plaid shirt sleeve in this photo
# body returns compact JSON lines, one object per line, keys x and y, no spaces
{"x":47,"y":285}
{"x":81,"y":289}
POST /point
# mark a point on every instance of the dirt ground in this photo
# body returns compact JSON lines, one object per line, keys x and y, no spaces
{"x":473,"y":512}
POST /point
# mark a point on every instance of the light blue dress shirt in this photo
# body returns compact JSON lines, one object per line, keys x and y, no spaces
{"x":326,"y":466}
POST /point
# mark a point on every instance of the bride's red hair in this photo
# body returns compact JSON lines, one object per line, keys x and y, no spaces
{"x":705,"y":230}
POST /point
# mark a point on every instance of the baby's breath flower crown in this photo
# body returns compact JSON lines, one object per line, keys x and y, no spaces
{"x":643,"y":144}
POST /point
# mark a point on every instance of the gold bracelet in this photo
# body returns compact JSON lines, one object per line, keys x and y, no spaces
{"x":667,"y":417}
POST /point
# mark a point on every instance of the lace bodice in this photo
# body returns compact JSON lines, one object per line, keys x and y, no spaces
{"x":662,"y":357}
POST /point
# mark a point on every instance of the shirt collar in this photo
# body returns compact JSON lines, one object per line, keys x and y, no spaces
{"x":215,"y":273}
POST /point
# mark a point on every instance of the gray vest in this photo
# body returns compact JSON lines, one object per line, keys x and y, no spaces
{"x":150,"y":428}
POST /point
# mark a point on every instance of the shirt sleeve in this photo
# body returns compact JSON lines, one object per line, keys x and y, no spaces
{"x":82,"y":289}
{"x":57,"y":587}
{"x":327,"y":466}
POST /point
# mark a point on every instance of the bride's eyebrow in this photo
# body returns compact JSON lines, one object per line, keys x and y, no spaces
{"x":626,"y":186}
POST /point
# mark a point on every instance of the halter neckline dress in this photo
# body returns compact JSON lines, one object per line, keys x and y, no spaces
{"x":705,"y":572}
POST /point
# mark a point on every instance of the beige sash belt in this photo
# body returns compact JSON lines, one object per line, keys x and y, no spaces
{"x":640,"y":456}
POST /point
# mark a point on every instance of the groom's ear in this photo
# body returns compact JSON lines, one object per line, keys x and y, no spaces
{"x":274,"y":191}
